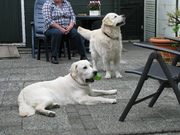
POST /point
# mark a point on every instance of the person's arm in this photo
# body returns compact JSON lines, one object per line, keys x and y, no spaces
{"x":72,"y":19}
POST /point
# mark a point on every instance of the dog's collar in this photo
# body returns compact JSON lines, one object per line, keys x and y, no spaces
{"x":73,"y":77}
{"x":76,"y":80}
{"x":109,"y":36}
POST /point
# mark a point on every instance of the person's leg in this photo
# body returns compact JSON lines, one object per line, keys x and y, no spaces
{"x":78,"y":42}
{"x":55,"y":36}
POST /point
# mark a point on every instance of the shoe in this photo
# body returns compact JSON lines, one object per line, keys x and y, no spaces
{"x":83,"y":57}
{"x":54,"y":60}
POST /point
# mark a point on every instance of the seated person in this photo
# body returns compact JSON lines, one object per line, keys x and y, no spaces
{"x":60,"y":20}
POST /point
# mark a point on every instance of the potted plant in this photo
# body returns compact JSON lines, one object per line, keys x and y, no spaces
{"x":173,"y":21}
{"x":94,"y":8}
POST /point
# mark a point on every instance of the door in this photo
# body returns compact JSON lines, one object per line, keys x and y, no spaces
{"x":134,"y":12}
{"x":10,"y":21}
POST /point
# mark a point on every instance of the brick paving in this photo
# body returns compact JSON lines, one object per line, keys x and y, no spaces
{"x":101,"y":119}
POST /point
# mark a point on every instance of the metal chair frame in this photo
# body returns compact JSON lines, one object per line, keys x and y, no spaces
{"x":168,"y":74}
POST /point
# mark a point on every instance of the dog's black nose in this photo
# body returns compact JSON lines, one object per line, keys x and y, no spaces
{"x":95,"y":72}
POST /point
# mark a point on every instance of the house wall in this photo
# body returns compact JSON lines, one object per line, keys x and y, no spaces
{"x":164,"y":6}
{"x":155,"y":18}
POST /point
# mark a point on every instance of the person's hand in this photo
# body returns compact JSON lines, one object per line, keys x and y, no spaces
{"x":69,"y":28}
{"x":71,"y":25}
{"x":64,"y":31}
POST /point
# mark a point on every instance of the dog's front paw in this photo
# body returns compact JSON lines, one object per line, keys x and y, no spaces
{"x":111,"y":92}
{"x":51,"y":114}
{"x":56,"y":105}
{"x":118,"y":75}
{"x":113,"y":101}
{"x":108,"y":75}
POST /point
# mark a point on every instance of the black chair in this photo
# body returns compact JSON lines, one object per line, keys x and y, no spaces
{"x":37,"y":33}
{"x":65,"y":47}
{"x":166,"y":74}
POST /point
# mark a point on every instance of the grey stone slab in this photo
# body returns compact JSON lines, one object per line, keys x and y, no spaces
{"x":78,"y":107}
{"x":106,"y":118}
{"x":5,"y":64}
{"x":4,"y":52}
{"x":89,"y":125}
{"x":73,"y":115}
{"x":59,"y":123}
{"x":33,"y":132}
{"x":83,"y":112}
{"x":78,"y":129}
{"x":4,"y":77}
{"x":10,"y":97}
{"x":70,"y":108}
{"x":93,"y":132}
{"x":9,"y":118}
{"x":14,"y":53}
{"x":5,"y":108}
{"x":75,"y":121}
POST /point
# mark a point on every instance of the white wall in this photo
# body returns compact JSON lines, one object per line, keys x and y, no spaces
{"x":164,"y":6}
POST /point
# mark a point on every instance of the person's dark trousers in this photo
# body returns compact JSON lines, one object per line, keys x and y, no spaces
{"x":55,"y":35}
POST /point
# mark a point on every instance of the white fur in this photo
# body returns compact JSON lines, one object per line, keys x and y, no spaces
{"x":108,"y":48}
{"x":70,"y":89}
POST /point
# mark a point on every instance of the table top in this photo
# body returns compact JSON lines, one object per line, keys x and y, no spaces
{"x":88,"y":17}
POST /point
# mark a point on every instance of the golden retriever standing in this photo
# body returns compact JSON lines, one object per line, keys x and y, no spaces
{"x":106,"y":42}
{"x":73,"y":88}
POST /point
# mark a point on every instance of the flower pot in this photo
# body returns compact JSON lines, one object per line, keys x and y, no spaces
{"x":165,"y":43}
{"x":94,"y":12}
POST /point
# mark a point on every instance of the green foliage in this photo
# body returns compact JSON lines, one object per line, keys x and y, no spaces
{"x":175,"y":29}
{"x":164,"y":58}
{"x":175,"y":43}
{"x":174,"y":20}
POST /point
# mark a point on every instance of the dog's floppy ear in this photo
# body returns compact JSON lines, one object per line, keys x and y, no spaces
{"x":73,"y":69}
{"x":107,"y":21}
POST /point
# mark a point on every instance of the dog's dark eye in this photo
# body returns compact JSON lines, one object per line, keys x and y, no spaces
{"x":85,"y":67}
{"x":115,"y":16}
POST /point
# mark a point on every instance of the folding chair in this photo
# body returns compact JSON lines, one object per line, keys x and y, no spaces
{"x":37,"y":33}
{"x":167,"y":74}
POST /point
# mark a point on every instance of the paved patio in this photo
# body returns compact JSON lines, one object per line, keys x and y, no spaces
{"x":102,"y":119}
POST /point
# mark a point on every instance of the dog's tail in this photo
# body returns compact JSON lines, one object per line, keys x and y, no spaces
{"x":24,"y":109}
{"x":85,"y":33}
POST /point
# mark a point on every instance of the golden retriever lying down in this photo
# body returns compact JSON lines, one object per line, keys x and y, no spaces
{"x":106,"y":43}
{"x":73,"y":88}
